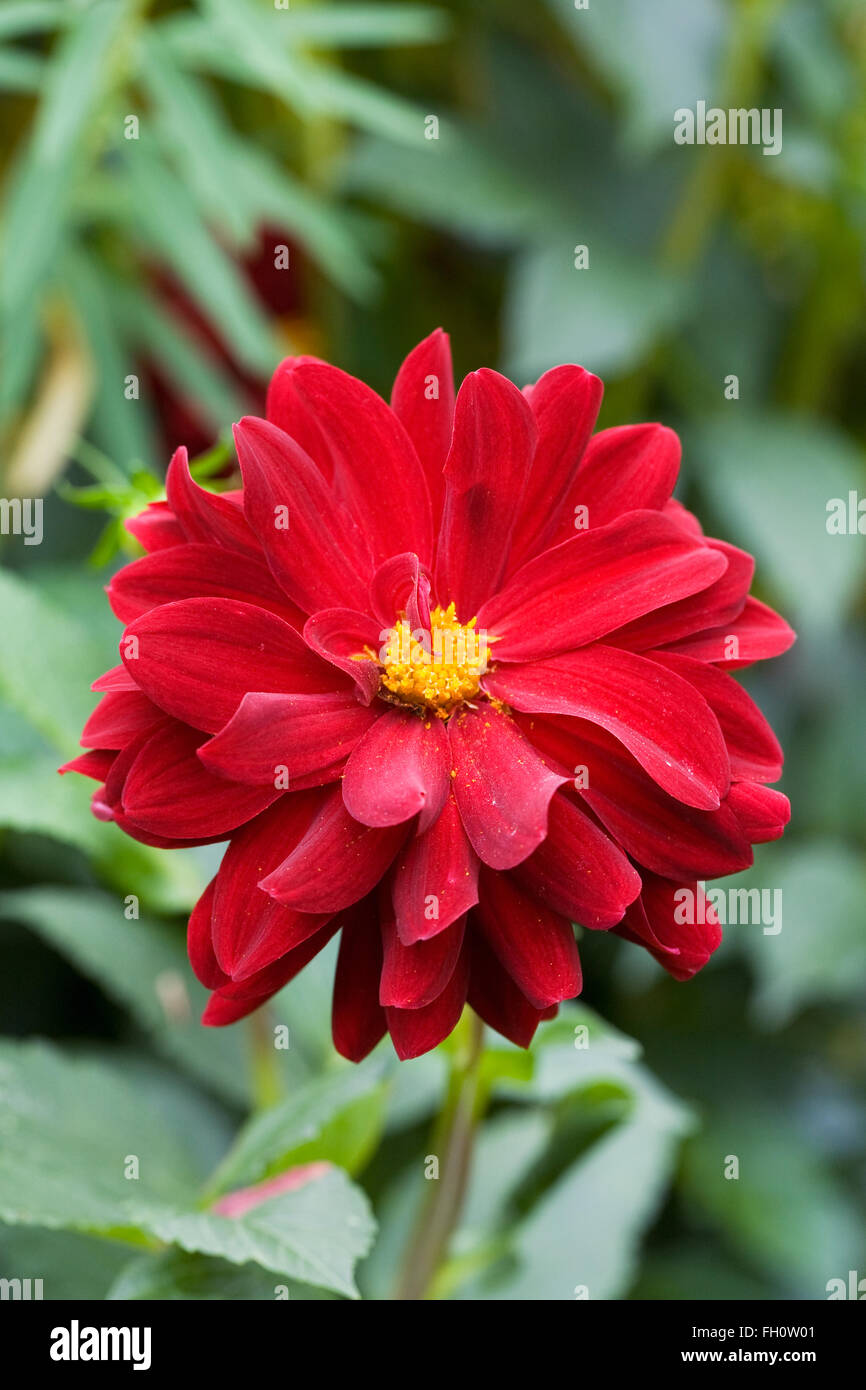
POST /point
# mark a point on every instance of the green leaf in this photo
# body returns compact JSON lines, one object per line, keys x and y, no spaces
{"x":195,"y":136}
{"x":771,"y":479}
{"x":326,"y":26}
{"x":241,"y":43}
{"x":554,"y":1224}
{"x":142,"y":964}
{"x":47,"y":663}
{"x":656,"y":57}
{"x":455,"y":183}
{"x":71,"y":1129}
{"x":19,"y":17}
{"x":165,"y":220}
{"x":322,"y":229}
{"x":584,"y":1231}
{"x":69,"y":1265}
{"x":36,"y":801}
{"x":308,"y":1125}
{"x":68,"y":1129}
{"x":20,"y":71}
{"x":571,"y":1053}
{"x":784,"y":1211}
{"x":192,"y":368}
{"x":605,"y":317}
{"x":124,"y":428}
{"x":37,"y":201}
{"x":175,"y":1276}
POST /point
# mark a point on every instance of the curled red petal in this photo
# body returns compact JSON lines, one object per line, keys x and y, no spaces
{"x":197,"y":658}
{"x":502,"y":787}
{"x":400,"y":768}
{"x":588,"y":586}
{"x":661,"y":718}
{"x":423,"y":401}
{"x":485,"y":476}
{"x":565,"y":403}
{"x":534,"y":944}
{"x":194,"y":570}
{"x":168,"y":792}
{"x":285,"y":740}
{"x":313,"y":545}
{"x":435,"y":878}
{"x":210,"y":517}
{"x":337,"y":862}
{"x":578,"y":870}
{"x":342,"y":636}
{"x":357,"y":1017}
{"x":416,"y":1031}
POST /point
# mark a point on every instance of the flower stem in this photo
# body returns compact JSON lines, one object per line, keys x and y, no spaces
{"x":265,"y":1077}
{"x":453,"y":1141}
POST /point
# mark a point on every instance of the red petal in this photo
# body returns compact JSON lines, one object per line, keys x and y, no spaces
{"x":756,"y":634}
{"x":565,"y":403}
{"x":199,"y":942}
{"x":313,"y":546}
{"x":120,"y":716}
{"x":336,"y":863}
{"x":683,"y":517}
{"x":578,"y":871}
{"x":167,"y":791}
{"x":762,"y":812}
{"x":658,"y":831}
{"x":415,"y":1031}
{"x":196,"y":571}
{"x":721,"y":602}
{"x":376,"y":468}
{"x":358,"y":1019}
{"x":536,"y":946}
{"x":435,"y":873}
{"x":96,"y":764}
{"x":400,"y":768}
{"x":340,"y":635}
{"x":303,"y":734}
{"x":401,"y":587}
{"x":236,"y":1000}
{"x":250,"y":929}
{"x":413,"y":976}
{"x":427,"y":418}
{"x":597,"y":581}
{"x":118,"y":678}
{"x":624,"y":470}
{"x":485,"y":476}
{"x":286,"y":409}
{"x":156,"y":528}
{"x":210,"y":517}
{"x":662,"y":719}
{"x":495,"y":997}
{"x":656,"y":921}
{"x":754,"y":750}
{"x":199,"y":657}
{"x":502,"y":787}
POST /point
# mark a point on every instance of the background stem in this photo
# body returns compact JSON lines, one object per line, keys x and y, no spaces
{"x":453,"y":1141}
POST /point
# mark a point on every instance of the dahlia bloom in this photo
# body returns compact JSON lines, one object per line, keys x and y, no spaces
{"x":448,"y":676}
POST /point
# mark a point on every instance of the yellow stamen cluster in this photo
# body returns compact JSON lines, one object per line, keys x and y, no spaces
{"x":434,"y":671}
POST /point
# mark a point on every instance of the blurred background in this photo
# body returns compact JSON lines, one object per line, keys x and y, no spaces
{"x":191,"y":191}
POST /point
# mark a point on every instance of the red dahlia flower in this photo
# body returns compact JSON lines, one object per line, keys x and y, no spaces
{"x":448,"y":677}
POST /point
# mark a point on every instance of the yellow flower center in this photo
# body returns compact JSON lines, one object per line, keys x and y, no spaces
{"x":436,"y":670}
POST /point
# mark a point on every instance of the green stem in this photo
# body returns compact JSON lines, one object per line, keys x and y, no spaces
{"x":267,"y":1081}
{"x":453,"y":1140}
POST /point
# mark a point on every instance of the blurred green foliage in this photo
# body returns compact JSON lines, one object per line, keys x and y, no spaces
{"x":131,"y":254}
